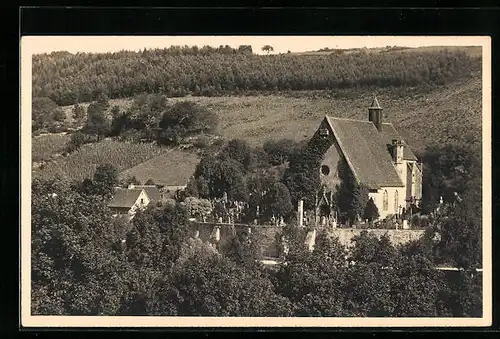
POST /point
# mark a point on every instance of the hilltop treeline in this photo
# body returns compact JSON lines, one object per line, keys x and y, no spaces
{"x":70,"y":78}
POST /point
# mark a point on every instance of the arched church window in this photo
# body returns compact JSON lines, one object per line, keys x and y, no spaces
{"x":325,"y":170}
{"x":396,"y":201}
{"x":385,"y":203}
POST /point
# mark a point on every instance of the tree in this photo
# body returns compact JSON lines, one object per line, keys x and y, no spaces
{"x":418,"y":288}
{"x":97,"y":122}
{"x":209,"y":284}
{"x":76,"y":141}
{"x":146,"y":110}
{"x":192,"y":188}
{"x":198,"y":208}
{"x":105,"y":179}
{"x":115,"y":111}
{"x":130,"y":180}
{"x":370,"y":249}
{"x":59,"y":115}
{"x":371,"y":211}
{"x":45,"y":112}
{"x":221,"y":176}
{"x":267,"y":48}
{"x":157,"y":235}
{"x":299,"y":177}
{"x":78,"y":113}
{"x":278,"y":201}
{"x":461,"y":236}
{"x":188,"y":117}
{"x":247,"y":49}
{"x":352,"y":197}
{"x":314,"y":282}
{"x":243,"y":249}
{"x":119,"y":123}
{"x":149,"y":182}
{"x":279,"y":151}
{"x":103,"y":101}
{"x":240,"y":151}
{"x":448,"y":168}
{"x":73,"y":264}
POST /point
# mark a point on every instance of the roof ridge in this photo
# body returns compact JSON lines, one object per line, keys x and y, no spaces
{"x":134,"y":189}
{"x":349,"y":119}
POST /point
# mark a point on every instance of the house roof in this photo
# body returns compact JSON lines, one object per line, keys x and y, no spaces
{"x":124,"y":197}
{"x":365,"y":150}
{"x":151,"y":190}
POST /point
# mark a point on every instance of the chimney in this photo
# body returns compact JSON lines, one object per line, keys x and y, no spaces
{"x":397,"y":151}
{"x":375,"y":114}
{"x":300,"y":214}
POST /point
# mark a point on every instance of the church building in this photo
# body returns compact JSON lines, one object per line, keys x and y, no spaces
{"x":377,"y":157}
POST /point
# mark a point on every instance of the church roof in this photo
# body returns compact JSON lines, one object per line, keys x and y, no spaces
{"x":366,"y":152}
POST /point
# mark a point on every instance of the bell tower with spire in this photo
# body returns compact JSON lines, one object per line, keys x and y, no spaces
{"x":375,"y":114}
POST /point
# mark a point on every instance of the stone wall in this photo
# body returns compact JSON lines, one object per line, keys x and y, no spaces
{"x":397,"y":237}
{"x":266,"y":235}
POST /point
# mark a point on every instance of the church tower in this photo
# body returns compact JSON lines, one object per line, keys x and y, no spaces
{"x":375,"y":114}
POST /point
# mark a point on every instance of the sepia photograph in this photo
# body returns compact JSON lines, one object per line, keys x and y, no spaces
{"x":221,"y":181}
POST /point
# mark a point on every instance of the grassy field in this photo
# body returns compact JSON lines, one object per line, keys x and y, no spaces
{"x":444,"y":114}
{"x":172,"y":168}
{"x":82,"y":163}
{"x":44,"y":146}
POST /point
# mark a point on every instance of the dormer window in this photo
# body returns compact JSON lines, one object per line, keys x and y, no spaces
{"x":323,"y":132}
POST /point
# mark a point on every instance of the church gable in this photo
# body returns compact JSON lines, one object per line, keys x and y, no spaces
{"x":323,"y":141}
{"x":365,"y":152}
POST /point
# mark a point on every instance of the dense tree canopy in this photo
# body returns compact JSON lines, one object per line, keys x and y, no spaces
{"x":277,"y":201}
{"x":84,"y":262}
{"x":240,"y":151}
{"x":280,"y":151}
{"x":450,"y":168}
{"x":176,"y":71}
{"x":223,"y":176}
{"x":74,"y":268}
{"x":45,"y":113}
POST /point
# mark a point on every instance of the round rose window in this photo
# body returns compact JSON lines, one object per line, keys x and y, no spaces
{"x":325,"y":170}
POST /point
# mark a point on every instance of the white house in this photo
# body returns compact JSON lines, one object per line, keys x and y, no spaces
{"x":127,"y":201}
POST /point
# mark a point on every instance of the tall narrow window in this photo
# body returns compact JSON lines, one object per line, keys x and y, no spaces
{"x":396,"y":202}
{"x":385,"y":203}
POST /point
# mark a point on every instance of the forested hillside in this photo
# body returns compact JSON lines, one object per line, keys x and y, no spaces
{"x":69,"y":78}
